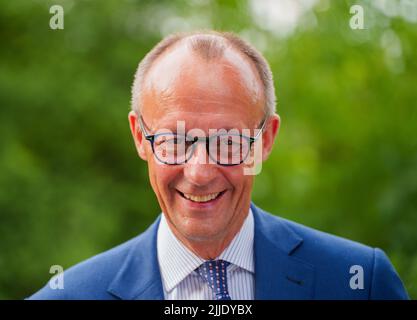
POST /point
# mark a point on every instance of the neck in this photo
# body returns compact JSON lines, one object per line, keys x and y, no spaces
{"x":209,"y":249}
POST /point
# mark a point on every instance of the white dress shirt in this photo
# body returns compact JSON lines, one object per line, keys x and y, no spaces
{"x":177,"y":265}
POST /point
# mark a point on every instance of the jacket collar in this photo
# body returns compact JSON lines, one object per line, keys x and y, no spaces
{"x":278,"y":273}
{"x":139,"y":277}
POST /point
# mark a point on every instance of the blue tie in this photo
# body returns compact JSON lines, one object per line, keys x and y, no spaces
{"x":214,"y":273}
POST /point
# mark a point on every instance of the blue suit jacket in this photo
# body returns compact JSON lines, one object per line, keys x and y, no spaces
{"x":291,"y":262}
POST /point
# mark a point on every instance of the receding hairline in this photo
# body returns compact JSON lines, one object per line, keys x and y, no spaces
{"x":208,"y":45}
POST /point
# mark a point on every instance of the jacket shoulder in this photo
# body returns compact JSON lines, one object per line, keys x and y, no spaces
{"x":90,"y":278}
{"x":317,"y":244}
{"x":339,"y":263}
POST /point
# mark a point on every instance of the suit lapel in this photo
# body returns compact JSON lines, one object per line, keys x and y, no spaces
{"x":279,"y":274}
{"x":139,"y":276}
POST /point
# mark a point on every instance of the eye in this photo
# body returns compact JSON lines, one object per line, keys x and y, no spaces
{"x":169,"y":140}
{"x":229,"y":141}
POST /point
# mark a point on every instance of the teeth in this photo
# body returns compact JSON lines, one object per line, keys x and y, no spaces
{"x":204,"y":198}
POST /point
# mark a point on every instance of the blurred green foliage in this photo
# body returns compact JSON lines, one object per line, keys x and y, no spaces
{"x":72,"y":185}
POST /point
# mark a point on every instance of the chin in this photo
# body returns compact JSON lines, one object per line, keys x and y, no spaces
{"x":200,"y":233}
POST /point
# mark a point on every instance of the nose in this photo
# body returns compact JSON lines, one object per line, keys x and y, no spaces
{"x":198,"y":170}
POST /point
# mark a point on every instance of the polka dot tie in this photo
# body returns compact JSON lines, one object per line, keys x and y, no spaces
{"x":214,"y":272}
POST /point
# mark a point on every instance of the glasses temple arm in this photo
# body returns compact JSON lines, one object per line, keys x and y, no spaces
{"x":253,"y":139}
{"x":142,"y":127}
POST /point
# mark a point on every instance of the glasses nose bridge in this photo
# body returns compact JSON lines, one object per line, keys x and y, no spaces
{"x":199,"y":148}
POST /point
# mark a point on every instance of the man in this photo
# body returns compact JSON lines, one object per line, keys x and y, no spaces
{"x":210,"y":242}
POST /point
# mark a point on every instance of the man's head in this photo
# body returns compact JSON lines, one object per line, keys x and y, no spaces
{"x":211,"y":81}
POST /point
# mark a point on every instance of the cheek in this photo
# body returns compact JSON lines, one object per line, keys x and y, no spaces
{"x":237,"y":179}
{"x":162,"y":177}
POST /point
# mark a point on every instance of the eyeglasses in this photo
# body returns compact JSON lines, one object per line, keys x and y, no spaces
{"x":225,"y":149}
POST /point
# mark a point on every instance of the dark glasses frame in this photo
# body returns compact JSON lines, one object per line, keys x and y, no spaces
{"x":151,"y":138}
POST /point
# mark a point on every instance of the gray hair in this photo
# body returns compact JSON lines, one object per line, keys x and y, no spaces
{"x":210,"y":45}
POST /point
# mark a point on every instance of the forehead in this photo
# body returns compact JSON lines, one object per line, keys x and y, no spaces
{"x":183,"y":84}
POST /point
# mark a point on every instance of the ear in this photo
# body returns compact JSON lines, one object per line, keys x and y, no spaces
{"x":138,"y":137}
{"x":269,"y":135}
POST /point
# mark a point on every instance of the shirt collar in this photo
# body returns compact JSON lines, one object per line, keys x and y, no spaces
{"x":176,"y":261}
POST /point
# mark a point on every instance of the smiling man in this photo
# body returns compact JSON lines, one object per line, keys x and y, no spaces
{"x":202,"y":105}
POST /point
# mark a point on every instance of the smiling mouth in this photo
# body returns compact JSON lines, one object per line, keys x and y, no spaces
{"x":202,"y":198}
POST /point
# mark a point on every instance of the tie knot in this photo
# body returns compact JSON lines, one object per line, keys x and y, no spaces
{"x":214,"y":273}
{"x":216,"y":264}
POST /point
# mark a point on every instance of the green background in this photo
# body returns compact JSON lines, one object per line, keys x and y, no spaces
{"x":71,"y":184}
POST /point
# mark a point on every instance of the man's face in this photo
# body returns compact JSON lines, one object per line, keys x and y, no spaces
{"x":224,"y":94}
